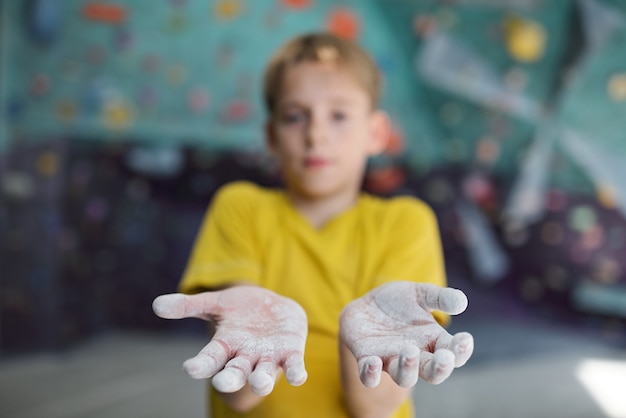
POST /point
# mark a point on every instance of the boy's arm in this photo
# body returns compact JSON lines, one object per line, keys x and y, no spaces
{"x":243,"y":400}
{"x":391,"y":329}
{"x":257,"y":333}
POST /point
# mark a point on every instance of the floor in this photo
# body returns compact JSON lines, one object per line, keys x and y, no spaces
{"x":530,"y":370}
{"x":519,"y":369}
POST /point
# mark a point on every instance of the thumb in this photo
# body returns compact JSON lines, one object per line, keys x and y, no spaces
{"x":178,"y":305}
{"x":445,"y":299}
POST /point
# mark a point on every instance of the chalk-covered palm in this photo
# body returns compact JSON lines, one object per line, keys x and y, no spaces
{"x":257,"y":332}
{"x":392,"y":329}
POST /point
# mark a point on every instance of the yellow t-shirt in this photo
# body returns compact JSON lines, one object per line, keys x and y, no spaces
{"x":255,"y":235}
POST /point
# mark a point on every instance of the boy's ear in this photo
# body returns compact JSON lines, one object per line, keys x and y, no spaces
{"x":380,"y":131}
{"x":270,"y":136}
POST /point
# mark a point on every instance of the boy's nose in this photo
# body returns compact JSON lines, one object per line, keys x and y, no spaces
{"x":316,"y":133}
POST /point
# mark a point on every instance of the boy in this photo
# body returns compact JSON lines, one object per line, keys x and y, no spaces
{"x":319,"y":264}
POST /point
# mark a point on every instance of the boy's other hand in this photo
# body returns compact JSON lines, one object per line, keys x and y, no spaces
{"x":257,"y":332}
{"x":392,"y":329}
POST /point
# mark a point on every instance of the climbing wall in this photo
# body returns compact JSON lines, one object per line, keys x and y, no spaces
{"x":119,"y":120}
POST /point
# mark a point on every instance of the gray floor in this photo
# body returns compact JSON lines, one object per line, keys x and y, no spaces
{"x":517,"y":371}
{"x":524,"y":370}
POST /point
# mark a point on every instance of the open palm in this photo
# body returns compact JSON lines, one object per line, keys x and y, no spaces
{"x":257,"y":332}
{"x":392,"y":329}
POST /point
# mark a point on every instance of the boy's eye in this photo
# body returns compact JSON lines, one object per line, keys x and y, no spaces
{"x":292,"y":117}
{"x":339,"y":116}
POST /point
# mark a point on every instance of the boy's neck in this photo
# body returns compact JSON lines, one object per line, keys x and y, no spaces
{"x":320,"y":210}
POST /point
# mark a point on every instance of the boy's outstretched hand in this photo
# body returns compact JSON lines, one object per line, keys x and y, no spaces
{"x":257,"y":332}
{"x":392,"y":329}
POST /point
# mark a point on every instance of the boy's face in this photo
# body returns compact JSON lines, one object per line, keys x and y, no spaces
{"x":323,"y":130}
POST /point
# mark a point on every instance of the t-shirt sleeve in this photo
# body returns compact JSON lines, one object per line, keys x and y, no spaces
{"x":225,"y":249}
{"x":414,"y":251}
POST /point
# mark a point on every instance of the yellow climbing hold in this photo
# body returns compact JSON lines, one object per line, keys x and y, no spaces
{"x":525,"y":39}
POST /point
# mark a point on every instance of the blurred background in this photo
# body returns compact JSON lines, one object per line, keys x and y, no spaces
{"x":119,"y":120}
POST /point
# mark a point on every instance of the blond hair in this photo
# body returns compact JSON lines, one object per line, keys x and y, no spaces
{"x":321,"y":48}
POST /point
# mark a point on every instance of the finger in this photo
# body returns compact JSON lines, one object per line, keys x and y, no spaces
{"x":404,"y":370}
{"x":209,"y":361}
{"x":294,"y":369}
{"x":461,"y":345}
{"x":370,"y":369}
{"x":263,"y":377}
{"x":445,"y":299}
{"x":437,"y":367}
{"x":234,"y":375}
{"x":178,"y":305}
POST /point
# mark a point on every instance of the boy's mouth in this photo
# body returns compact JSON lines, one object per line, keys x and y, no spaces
{"x":315,"y":162}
